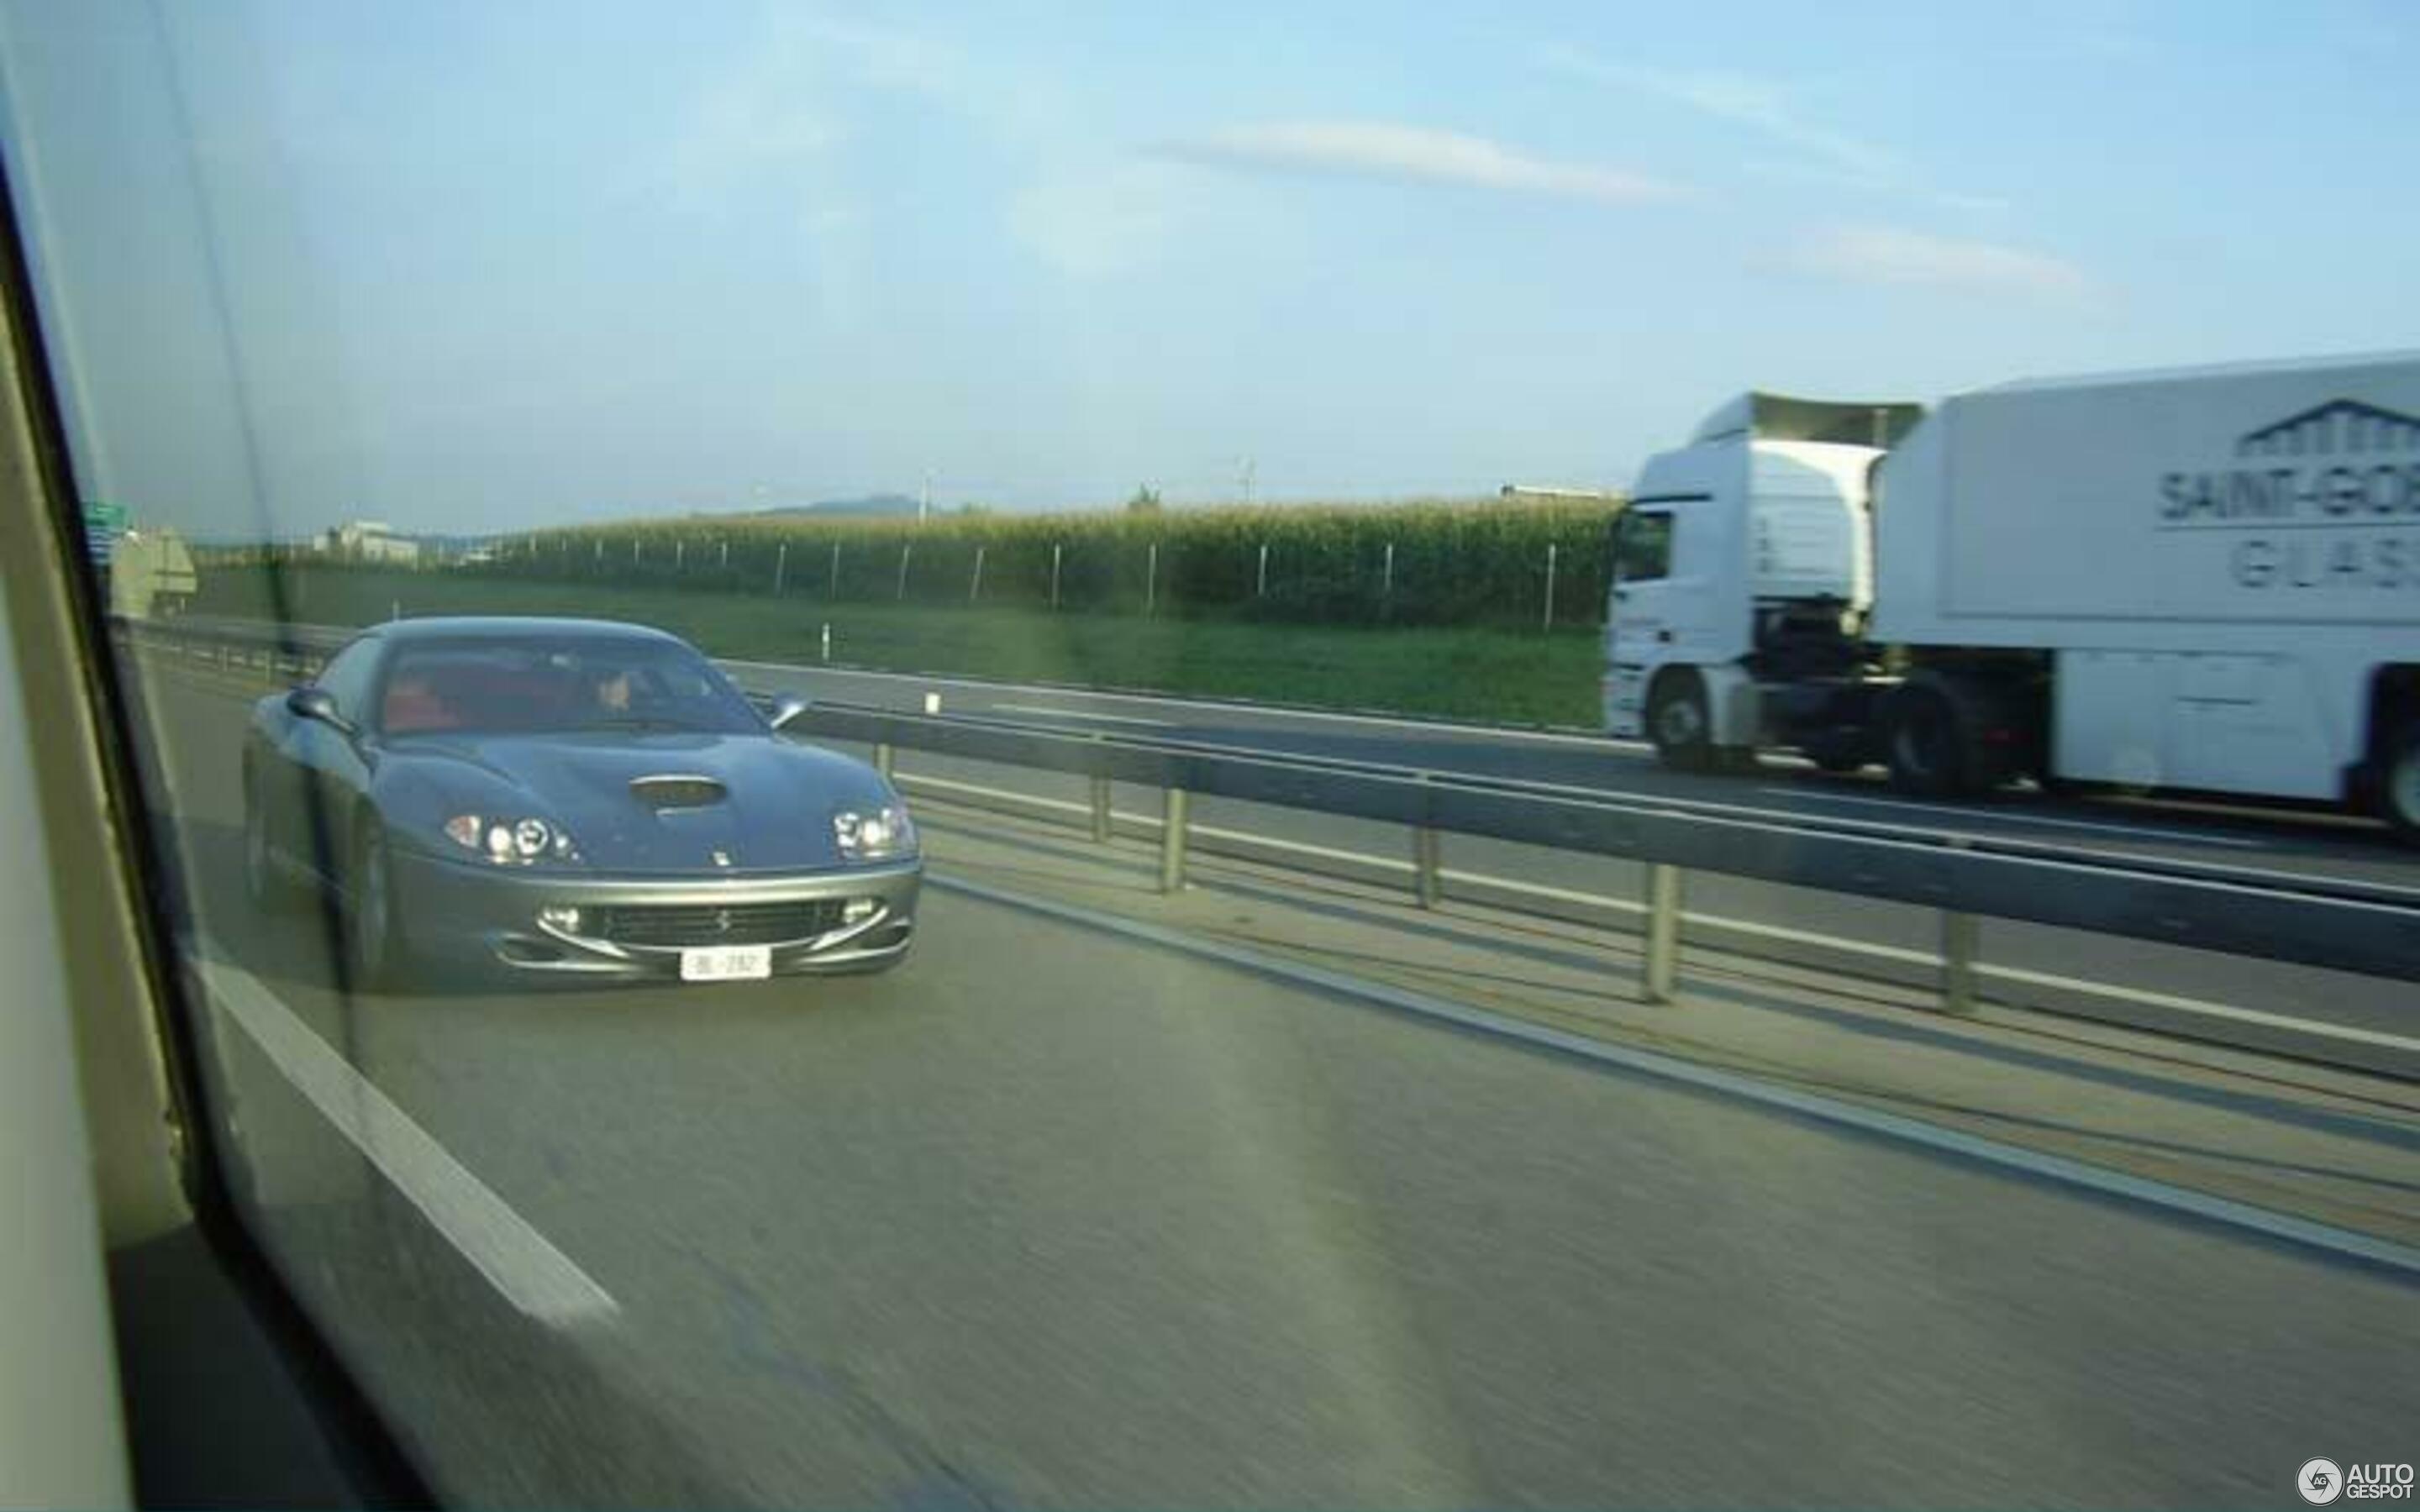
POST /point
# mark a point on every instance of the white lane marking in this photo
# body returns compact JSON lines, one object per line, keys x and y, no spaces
{"x":1076,"y":714}
{"x":2350,"y":1033}
{"x":2326,"y":1237}
{"x":1267,"y":711}
{"x":535,"y":1276}
{"x":2090,"y":826}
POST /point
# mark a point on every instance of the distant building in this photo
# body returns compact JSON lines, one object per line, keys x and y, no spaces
{"x":1518,"y":493}
{"x":370,"y":540}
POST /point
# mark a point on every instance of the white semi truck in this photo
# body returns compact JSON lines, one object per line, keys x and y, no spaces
{"x":2203,"y":579}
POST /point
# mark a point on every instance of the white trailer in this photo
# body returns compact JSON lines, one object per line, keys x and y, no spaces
{"x":2203,"y":579}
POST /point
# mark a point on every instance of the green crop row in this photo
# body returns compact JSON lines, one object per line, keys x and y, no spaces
{"x":1432,"y":563}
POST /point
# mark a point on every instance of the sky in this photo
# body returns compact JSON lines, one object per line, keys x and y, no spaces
{"x":474,"y":267}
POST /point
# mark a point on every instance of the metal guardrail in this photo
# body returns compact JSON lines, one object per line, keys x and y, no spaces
{"x":2340,"y":925}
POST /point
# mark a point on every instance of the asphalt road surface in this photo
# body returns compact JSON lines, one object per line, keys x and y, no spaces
{"x":1053,"y":1218}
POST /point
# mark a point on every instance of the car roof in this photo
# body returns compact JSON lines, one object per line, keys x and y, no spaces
{"x":511,"y":626}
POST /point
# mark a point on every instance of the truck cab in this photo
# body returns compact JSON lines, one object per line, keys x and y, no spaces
{"x":1743,"y":574}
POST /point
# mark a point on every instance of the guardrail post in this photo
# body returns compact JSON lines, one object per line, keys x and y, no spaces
{"x":1659,"y":968}
{"x":1428,"y":880}
{"x":1961,"y":935}
{"x":884,"y":759}
{"x":1171,"y":839}
{"x":1100,"y":800}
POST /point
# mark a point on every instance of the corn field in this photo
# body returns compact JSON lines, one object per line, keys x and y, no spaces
{"x":1428,"y":564}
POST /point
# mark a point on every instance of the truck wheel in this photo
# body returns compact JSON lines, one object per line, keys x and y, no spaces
{"x":1678,"y":724}
{"x":1930,"y":743}
{"x":2398,"y":786}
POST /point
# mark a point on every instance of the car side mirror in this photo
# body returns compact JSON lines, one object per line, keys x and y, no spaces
{"x":318,"y":703}
{"x":785,"y":708}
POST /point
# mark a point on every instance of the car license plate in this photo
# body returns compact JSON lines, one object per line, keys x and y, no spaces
{"x":727,"y":962}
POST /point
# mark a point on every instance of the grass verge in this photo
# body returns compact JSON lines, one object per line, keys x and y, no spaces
{"x":1489,"y":674}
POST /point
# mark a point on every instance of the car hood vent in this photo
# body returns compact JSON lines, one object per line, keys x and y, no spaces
{"x":678,"y":792}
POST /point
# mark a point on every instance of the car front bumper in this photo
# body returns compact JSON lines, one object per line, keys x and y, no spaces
{"x":470,"y":914}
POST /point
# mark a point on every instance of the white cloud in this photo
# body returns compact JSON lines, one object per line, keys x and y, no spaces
{"x":1892,"y":256}
{"x":1410,"y":154}
{"x":1973,"y":204}
{"x":1759,"y":105}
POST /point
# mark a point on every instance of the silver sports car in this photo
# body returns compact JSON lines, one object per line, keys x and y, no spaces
{"x":569,"y":796}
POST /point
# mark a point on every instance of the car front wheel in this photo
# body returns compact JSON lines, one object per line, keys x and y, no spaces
{"x":373,"y":925}
{"x":262,"y":881}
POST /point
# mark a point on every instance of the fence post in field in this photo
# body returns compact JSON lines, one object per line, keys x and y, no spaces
{"x":904,"y":549}
{"x":680,"y":553}
{"x":1386,"y":582}
{"x":1151,"y":580}
{"x":974,"y":588}
{"x":781,"y":564}
{"x":1261,"y":583}
{"x":835,"y":582}
{"x":1054,"y":574}
{"x":634,"y":550}
{"x":1550,"y":585}
{"x":600,"y":550}
{"x":726,"y":556}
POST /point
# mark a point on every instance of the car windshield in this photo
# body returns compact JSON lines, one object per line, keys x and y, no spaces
{"x":511,"y":685}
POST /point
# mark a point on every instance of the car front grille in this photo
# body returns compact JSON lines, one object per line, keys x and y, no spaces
{"x":695,"y":924}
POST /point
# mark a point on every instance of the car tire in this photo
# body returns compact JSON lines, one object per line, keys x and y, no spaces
{"x":1679,"y":723}
{"x":373,"y":921}
{"x":264,"y":884}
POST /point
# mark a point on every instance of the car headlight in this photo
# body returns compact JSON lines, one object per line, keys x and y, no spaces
{"x":874,"y":834}
{"x":510,"y":842}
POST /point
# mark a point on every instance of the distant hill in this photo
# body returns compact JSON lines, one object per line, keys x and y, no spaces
{"x":882,"y":506}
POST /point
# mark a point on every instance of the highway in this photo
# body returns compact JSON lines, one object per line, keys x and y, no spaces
{"x":1054,"y":1218}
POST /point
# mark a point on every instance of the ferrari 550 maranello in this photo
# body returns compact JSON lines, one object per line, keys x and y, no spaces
{"x":569,"y":796}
